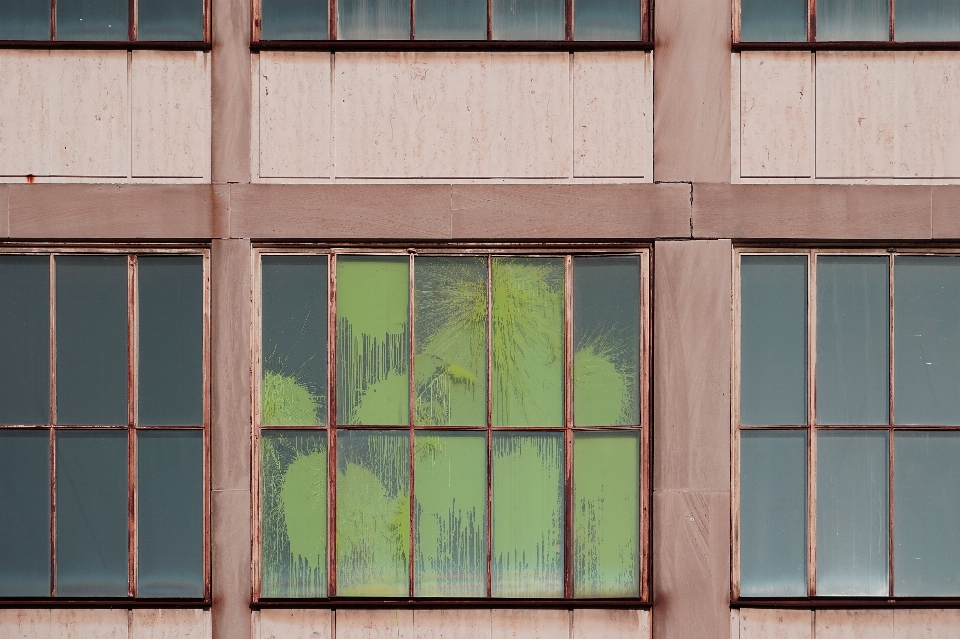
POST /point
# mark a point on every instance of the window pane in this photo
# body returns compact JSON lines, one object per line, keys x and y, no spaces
{"x":773,"y":339}
{"x":451,"y":336}
{"x":449,"y":513}
{"x":373,"y":513}
{"x":92,"y":19}
{"x":451,"y":19}
{"x":927,"y":20}
{"x":527,"y":341}
{"x":294,"y":20}
{"x":852,"y":513}
{"x":171,"y":340}
{"x":24,"y":339}
{"x":773,"y":513}
{"x":606,"y":341}
{"x":773,"y":20}
{"x":25,"y":509}
{"x":373,"y":19}
{"x":25,"y":20}
{"x":606,"y":517}
{"x":528,"y":19}
{"x":373,"y":340}
{"x":91,"y":339}
{"x":170,"y":20}
{"x":527,"y":515}
{"x":293,"y":502}
{"x":294,"y":386}
{"x":606,"y":19}
{"x":170,"y":513}
{"x":927,"y":340}
{"x":926,"y":505}
{"x":853,"y":342}
{"x":853,"y":20}
{"x":92,"y":513}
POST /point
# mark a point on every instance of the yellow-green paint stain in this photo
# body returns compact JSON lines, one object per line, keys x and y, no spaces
{"x":601,"y":392}
{"x":284,"y":402}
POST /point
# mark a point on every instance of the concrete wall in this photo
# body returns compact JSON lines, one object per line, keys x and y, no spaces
{"x":901,"y":623}
{"x":105,"y":624}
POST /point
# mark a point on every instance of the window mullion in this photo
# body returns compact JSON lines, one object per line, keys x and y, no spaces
{"x":132,"y":324}
{"x":568,"y":422}
{"x":332,"y":424}
{"x":411,"y":379}
{"x":489,"y":517}
{"x":891,"y":417}
{"x":812,"y":423}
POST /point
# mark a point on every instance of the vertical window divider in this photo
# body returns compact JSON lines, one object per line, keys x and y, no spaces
{"x":412,"y":394}
{"x":413,"y":33}
{"x":132,"y":326}
{"x":332,"y":34}
{"x":811,"y":20}
{"x":892,"y":24}
{"x":53,"y":27}
{"x":256,"y":414}
{"x":207,"y":394}
{"x":646,"y":355}
{"x":811,"y":423}
{"x":568,"y":422}
{"x":332,"y":421}
{"x":735,"y":428}
{"x":489,"y":517}
{"x":489,"y":37}
{"x":132,"y":20}
{"x":53,"y":421}
{"x":891,"y":416}
{"x":568,"y":19}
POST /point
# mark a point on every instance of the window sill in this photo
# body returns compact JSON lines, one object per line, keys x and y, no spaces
{"x":449,"y":45}
{"x":827,"y":603}
{"x":845,"y":46}
{"x":107,"y":45}
{"x":101,"y":602}
{"x":427,"y":603}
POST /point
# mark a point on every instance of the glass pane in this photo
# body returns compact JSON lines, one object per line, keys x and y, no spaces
{"x":24,"y":339}
{"x":293,"y":502}
{"x":773,"y":20}
{"x":25,"y":508}
{"x":606,"y":341}
{"x":451,"y":19}
{"x":92,"y":513}
{"x":171,"y":340}
{"x":606,"y":19}
{"x":451,"y":341}
{"x":773,"y":513}
{"x":92,"y":19}
{"x":853,"y":342}
{"x":449,"y":514}
{"x":527,"y":523}
{"x":294,"y":20}
{"x":853,"y":20}
{"x":852,"y":513}
{"x":294,"y":386}
{"x":927,"y":340}
{"x":927,"y":20}
{"x":373,"y":19}
{"x":91,"y":339}
{"x":527,"y":341}
{"x":926,"y":514}
{"x":606,"y":517}
{"x":528,"y":19}
{"x":373,"y":513}
{"x":170,"y":513}
{"x":373,"y":340}
{"x":170,"y":20}
{"x":25,"y":20}
{"x":773,"y":339}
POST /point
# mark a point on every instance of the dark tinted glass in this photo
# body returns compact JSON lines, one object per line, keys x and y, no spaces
{"x":528,"y":19}
{"x":930,"y":20}
{"x":451,"y":19}
{"x":373,"y":19}
{"x":606,"y":19}
{"x":773,"y":20}
{"x":24,"y":513}
{"x":853,"y":20}
{"x":294,"y":20}
{"x":25,"y":20}
{"x":170,"y":20}
{"x":92,"y":19}
{"x":24,"y":339}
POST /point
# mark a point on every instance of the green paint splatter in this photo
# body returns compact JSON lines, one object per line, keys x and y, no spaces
{"x":284,"y":402}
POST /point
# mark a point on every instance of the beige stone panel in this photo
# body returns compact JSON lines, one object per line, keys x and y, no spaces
{"x":610,"y":114}
{"x":601,"y":623}
{"x":928,"y":126}
{"x":88,"y":624}
{"x":295,"y":624}
{"x":168,"y":623}
{"x":89,"y":114}
{"x":294,"y":126}
{"x":776,"y":114}
{"x":856,"y":114}
{"x":761,"y":623}
{"x":926,"y":624}
{"x":854,"y":624}
{"x":170,"y":94}
{"x":24,"y":112}
{"x":452,"y":624}
{"x":24,"y":624}
{"x":374,"y":624}
{"x":530,"y":624}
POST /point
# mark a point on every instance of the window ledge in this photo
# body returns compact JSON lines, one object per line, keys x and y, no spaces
{"x":845,"y":46}
{"x":449,"y":45}
{"x":120,"y":45}
{"x":101,"y":602}
{"x":426,"y":603}
{"x":826,"y":603}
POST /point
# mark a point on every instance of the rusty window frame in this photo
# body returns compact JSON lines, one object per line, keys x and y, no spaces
{"x":131,"y":428}
{"x":643,"y":251}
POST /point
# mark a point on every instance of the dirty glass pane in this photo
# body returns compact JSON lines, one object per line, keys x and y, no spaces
{"x":293,"y":502}
{"x":527,"y":341}
{"x":927,"y":340}
{"x":373,"y":340}
{"x":926,"y":514}
{"x":773,"y":513}
{"x":839,"y":20}
{"x":606,"y":19}
{"x":606,"y":516}
{"x":25,"y":512}
{"x":451,"y":341}
{"x":24,"y":339}
{"x":927,"y":20}
{"x":528,"y":19}
{"x":170,"y":513}
{"x":373,"y":513}
{"x":91,"y":339}
{"x":171,"y":340}
{"x":852,"y":513}
{"x":773,"y":20}
{"x":527,"y":525}
{"x":773,"y":339}
{"x":170,"y":20}
{"x":606,"y":341}
{"x":449,"y":514}
{"x":853,"y":340}
{"x":294,"y":20}
{"x":25,"y":20}
{"x":92,"y":513}
{"x":373,"y":19}
{"x":92,"y":19}
{"x":294,"y":384}
{"x":450,"y":19}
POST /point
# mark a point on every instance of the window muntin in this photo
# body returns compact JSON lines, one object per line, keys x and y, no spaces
{"x":392,"y":483}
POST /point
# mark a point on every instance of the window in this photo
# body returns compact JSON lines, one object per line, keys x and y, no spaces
{"x":452,"y":425}
{"x":848,"y":424}
{"x":103,"y":414}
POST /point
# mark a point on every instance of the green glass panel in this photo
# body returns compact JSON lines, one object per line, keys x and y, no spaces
{"x":373,"y":513}
{"x":294,"y":20}
{"x":606,"y":19}
{"x":773,"y":20}
{"x":449,"y":514}
{"x":24,"y":513}
{"x":169,"y":20}
{"x":862,"y":20}
{"x":527,"y":524}
{"x":450,"y":363}
{"x":527,"y":341}
{"x":606,"y":516}
{"x":527,"y":19}
{"x":373,"y":19}
{"x":927,"y":20}
{"x":373,"y":340}
{"x":293,"y":515}
{"x":450,"y":19}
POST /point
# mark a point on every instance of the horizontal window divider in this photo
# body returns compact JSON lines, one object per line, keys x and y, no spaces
{"x":737,"y":47}
{"x":463,"y":249}
{"x":449,"y":45}
{"x":100,"y":602}
{"x":852,"y":603}
{"x":438,"y":603}
{"x":779,"y":427}
{"x":109,"y":45}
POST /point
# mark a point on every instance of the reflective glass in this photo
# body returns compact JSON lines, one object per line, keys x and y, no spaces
{"x":927,"y":20}
{"x":25,"y":20}
{"x":373,"y":19}
{"x":25,"y":512}
{"x":170,"y":20}
{"x":527,"y":19}
{"x":294,"y":20}
{"x":839,"y":20}
{"x":773,"y":20}
{"x":24,"y":339}
{"x":450,"y":19}
{"x":606,"y":20}
{"x":92,"y":19}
